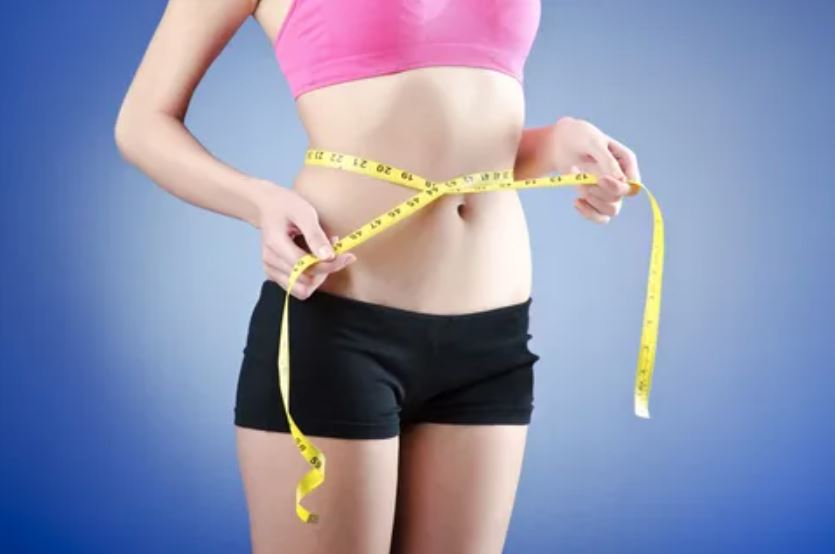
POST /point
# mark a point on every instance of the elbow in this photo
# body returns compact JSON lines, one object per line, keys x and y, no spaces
{"x":131,"y":130}
{"x":125,"y":135}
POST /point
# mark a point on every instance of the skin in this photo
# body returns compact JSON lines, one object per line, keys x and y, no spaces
{"x":449,"y":121}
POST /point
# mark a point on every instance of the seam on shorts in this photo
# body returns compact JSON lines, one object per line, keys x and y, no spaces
{"x":335,"y":428}
{"x":476,"y":416}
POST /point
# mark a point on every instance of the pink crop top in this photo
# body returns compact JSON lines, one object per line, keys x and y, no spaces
{"x":324,"y":42}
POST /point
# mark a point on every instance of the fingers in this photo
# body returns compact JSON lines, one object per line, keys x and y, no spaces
{"x":607,"y":189}
{"x":603,"y":206}
{"x":320,"y":271}
{"x":626,"y":159}
{"x":279,"y":253}
{"x":339,"y":262}
{"x":587,"y":211}
{"x":609,"y":157}
{"x":301,"y":288}
{"x":307,"y":221}
{"x":611,"y":184}
{"x":628,"y":163}
{"x":604,"y":160}
{"x":602,"y":199}
{"x":281,"y":245}
{"x":323,"y":268}
{"x":278,"y":268}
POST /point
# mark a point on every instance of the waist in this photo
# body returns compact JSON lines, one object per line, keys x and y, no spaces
{"x":462,"y":253}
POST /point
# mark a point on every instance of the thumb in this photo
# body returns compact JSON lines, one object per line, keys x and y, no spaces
{"x":316,"y":238}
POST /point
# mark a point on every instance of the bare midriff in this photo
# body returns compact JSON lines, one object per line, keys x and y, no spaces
{"x":463,"y":252}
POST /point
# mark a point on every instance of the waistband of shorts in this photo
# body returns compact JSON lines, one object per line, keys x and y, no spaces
{"x":329,"y":299}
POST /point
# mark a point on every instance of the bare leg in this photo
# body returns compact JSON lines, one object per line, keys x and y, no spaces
{"x":355,"y":503}
{"x":457,"y":487}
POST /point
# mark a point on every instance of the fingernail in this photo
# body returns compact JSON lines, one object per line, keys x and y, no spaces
{"x":325,"y":252}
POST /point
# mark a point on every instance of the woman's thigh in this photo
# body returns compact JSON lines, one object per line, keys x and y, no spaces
{"x":355,"y":503}
{"x":457,"y":487}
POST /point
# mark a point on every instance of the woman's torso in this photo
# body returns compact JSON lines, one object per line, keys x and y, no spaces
{"x":461,"y":253}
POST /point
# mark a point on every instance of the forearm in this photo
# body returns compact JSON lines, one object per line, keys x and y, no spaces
{"x":534,"y":157}
{"x":163,"y":148}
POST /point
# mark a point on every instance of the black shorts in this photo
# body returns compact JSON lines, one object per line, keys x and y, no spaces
{"x":365,"y":370}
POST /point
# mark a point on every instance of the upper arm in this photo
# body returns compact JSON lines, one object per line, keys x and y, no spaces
{"x":188,"y":38}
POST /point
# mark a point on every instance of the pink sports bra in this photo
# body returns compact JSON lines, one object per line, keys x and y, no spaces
{"x":323,"y":42}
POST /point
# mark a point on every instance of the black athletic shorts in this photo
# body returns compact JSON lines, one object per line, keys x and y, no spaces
{"x":365,"y":370}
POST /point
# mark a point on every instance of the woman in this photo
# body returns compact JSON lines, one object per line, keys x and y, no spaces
{"x":410,"y":359}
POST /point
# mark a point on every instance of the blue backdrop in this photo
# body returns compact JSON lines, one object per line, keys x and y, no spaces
{"x":124,"y":310}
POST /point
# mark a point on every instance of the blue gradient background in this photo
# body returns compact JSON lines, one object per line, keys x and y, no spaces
{"x":124,"y":310}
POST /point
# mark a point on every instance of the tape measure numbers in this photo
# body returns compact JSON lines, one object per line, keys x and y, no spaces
{"x":429,"y":191}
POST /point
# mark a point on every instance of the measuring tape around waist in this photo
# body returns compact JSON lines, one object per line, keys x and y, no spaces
{"x":430,"y":191}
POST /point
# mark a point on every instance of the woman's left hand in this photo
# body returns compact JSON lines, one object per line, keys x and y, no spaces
{"x":577,"y":146}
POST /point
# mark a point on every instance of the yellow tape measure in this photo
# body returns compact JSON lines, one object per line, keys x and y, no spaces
{"x":430,"y":191}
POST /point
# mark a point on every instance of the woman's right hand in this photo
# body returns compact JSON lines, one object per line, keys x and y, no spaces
{"x":286,"y":217}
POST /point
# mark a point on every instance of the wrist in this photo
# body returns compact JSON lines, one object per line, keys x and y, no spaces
{"x":553,"y":145}
{"x":258,"y":189}
{"x":535,"y":155}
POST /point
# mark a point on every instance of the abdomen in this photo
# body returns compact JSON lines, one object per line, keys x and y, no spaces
{"x":460,"y":253}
